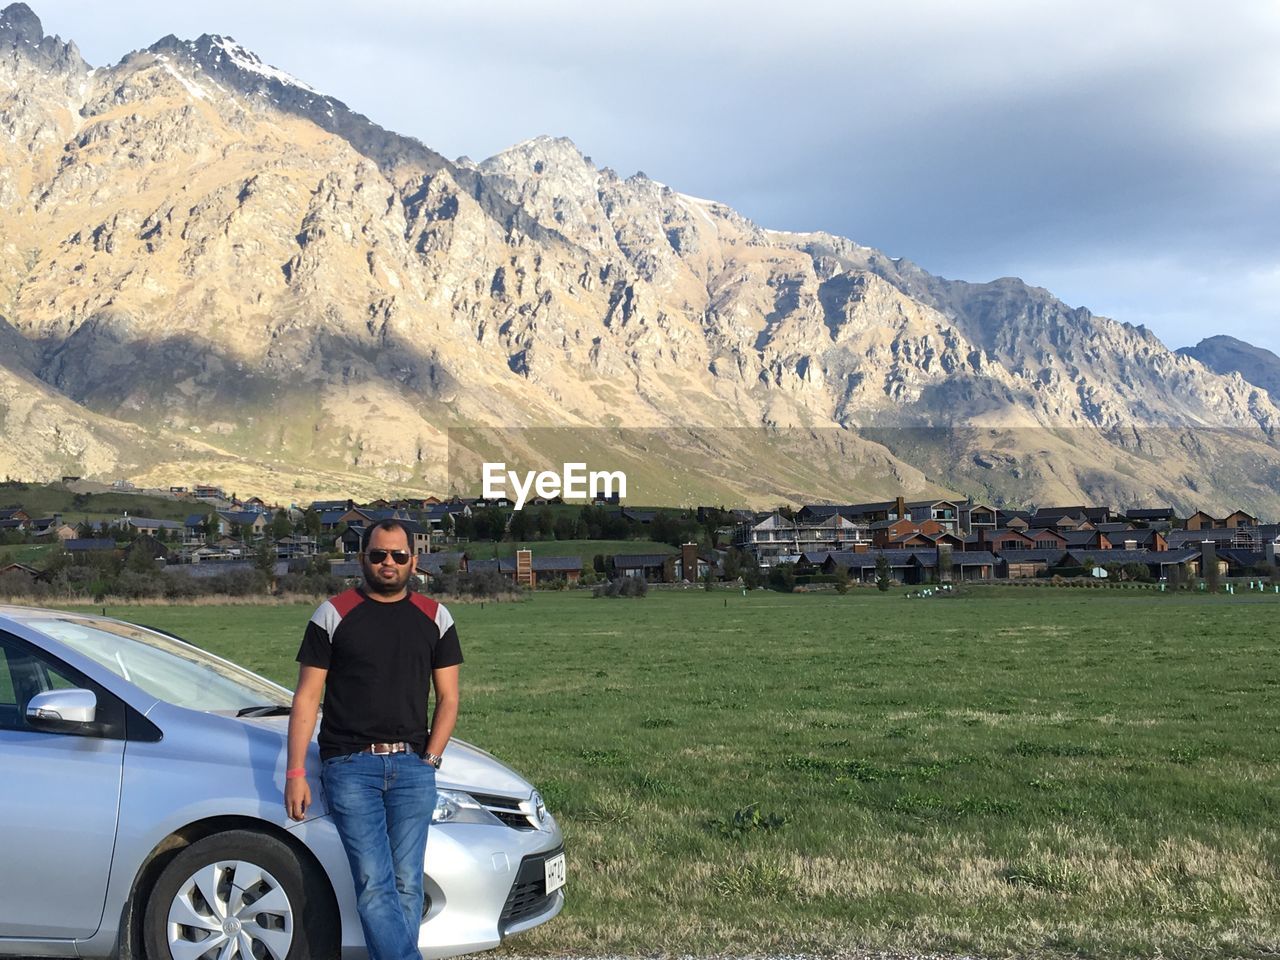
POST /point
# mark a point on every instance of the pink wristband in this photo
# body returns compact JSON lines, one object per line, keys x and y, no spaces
{"x":295,"y":774}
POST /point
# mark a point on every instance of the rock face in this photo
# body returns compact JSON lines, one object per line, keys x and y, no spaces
{"x":1227,"y":355}
{"x":273,"y":288}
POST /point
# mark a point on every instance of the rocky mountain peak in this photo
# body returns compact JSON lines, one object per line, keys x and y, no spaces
{"x":224,"y":58}
{"x":19,"y":24}
{"x":22,"y":31}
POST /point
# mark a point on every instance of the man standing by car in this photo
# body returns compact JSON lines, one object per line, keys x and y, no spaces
{"x":374,"y":653}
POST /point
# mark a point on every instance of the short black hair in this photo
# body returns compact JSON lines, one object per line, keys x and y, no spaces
{"x":385,"y":525}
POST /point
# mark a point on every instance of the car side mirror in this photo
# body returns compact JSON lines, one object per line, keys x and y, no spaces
{"x":62,"y":710}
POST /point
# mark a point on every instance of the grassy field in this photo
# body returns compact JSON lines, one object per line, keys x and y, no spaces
{"x":1036,"y":772}
{"x":46,"y":499}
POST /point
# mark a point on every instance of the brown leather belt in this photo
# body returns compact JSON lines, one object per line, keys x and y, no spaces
{"x":381,"y":749}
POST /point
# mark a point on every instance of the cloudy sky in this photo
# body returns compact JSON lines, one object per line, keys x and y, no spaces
{"x":1126,"y":157}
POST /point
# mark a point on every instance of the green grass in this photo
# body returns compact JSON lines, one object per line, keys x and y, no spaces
{"x":1037,"y":772}
{"x":44,"y":500}
{"x":32,"y":554}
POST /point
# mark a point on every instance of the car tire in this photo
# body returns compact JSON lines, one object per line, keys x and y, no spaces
{"x":207,"y":894}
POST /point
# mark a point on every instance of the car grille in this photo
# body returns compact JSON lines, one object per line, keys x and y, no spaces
{"x":506,"y":809}
{"x":528,"y":896}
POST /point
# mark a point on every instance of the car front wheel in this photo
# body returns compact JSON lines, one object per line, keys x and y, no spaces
{"x":240,"y":895}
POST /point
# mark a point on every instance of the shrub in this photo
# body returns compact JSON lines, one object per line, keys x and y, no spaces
{"x":480,"y":584}
{"x":782,"y":577}
{"x":622,"y":587}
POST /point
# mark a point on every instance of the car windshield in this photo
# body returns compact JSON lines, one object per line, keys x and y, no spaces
{"x":161,"y":665}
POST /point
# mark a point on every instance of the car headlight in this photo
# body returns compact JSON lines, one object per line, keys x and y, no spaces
{"x":454,"y":806}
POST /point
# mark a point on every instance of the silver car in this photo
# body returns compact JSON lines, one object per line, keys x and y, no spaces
{"x":141,"y":797}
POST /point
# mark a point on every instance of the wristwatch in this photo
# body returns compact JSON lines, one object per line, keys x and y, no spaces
{"x":434,"y":759}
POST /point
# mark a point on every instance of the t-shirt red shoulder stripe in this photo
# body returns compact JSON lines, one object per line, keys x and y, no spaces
{"x":347,"y":601}
{"x":425,"y":604}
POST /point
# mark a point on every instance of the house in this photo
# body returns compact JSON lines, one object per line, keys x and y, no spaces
{"x":347,"y":569}
{"x":652,"y":567}
{"x":1054,"y":516}
{"x":905,"y":566}
{"x":441,"y":516}
{"x":969,"y":565}
{"x":149,"y":545}
{"x":147,"y":526}
{"x":204,"y":491}
{"x":248,"y":522}
{"x":419,"y":535}
{"x":1239,"y":519}
{"x":44,"y":526}
{"x":434,"y":564}
{"x":538,"y":569}
{"x":1150,"y":514}
{"x":295,"y":547}
{"x":976,"y":516}
{"x":1240,"y":537}
{"x":20,"y":569}
{"x":15,"y":519}
{"x":692,"y":566}
{"x":998,"y":541}
{"x":905,"y":532}
{"x":1087,"y":540}
{"x":57,"y":531}
{"x":775,"y":538}
{"x":943,"y":512}
{"x":637,"y":516}
{"x":1202,"y":521}
{"x":1013,"y":519}
{"x":324,"y":506}
{"x":1245,"y":563}
{"x":84,"y":546}
{"x":1160,"y":565}
{"x":1024,"y":564}
{"x":1142,"y":538}
{"x":1046,"y":539}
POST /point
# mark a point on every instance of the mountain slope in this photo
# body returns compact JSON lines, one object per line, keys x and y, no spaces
{"x":197,"y":241}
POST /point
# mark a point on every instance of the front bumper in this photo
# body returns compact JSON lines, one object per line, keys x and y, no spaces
{"x":472,"y":873}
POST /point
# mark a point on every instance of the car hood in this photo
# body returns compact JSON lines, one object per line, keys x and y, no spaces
{"x":466,"y":767}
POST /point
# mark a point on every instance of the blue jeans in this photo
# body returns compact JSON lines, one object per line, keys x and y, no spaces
{"x":382,"y":807}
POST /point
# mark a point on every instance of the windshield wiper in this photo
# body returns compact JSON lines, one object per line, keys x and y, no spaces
{"x":267,"y":710}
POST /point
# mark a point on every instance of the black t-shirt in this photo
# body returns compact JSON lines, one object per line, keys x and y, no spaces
{"x":379,"y":657}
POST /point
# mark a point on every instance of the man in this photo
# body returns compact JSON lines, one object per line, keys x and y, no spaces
{"x":374,"y":653}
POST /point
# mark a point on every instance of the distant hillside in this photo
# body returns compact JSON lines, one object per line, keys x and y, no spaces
{"x":1224,"y":354}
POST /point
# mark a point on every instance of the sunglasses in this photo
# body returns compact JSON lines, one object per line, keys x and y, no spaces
{"x":401,"y":557}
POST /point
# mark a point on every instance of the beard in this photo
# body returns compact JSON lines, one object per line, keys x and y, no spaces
{"x":376,"y":584}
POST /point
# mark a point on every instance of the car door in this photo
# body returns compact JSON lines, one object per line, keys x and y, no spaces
{"x":59,"y":802}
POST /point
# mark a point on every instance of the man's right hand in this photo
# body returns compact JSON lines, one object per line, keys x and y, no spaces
{"x":297,"y":797}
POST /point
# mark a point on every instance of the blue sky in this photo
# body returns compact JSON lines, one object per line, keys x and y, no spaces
{"x":1126,"y":157}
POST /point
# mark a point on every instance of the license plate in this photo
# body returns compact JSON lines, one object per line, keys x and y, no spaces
{"x":555,"y":873}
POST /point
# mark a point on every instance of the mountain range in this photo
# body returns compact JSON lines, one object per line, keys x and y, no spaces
{"x":211,"y":272}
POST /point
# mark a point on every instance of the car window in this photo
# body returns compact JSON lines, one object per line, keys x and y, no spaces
{"x":7,"y":696}
{"x":23,"y":674}
{"x":162,"y":666}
